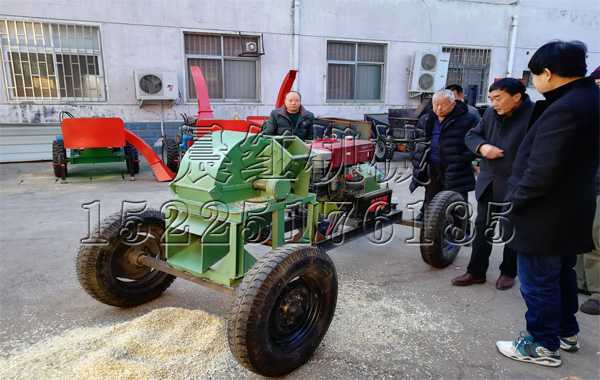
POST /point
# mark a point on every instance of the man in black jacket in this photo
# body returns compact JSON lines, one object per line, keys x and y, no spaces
{"x":443,"y":162}
{"x":496,"y":139}
{"x":291,"y":119}
{"x":552,"y":192}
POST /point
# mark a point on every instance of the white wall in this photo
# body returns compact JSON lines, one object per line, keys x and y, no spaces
{"x":138,"y":33}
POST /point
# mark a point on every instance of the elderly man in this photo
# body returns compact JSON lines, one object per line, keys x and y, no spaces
{"x":291,"y":119}
{"x":448,"y":160}
{"x":496,"y":139}
{"x":553,"y":197}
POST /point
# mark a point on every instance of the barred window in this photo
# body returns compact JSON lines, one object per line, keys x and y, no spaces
{"x":355,"y":71}
{"x":469,"y":67}
{"x":49,"y":61}
{"x":228,"y":74}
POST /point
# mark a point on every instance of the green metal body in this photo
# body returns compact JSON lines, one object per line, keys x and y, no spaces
{"x":229,"y":184}
{"x":95,"y":156}
{"x":232,"y":184}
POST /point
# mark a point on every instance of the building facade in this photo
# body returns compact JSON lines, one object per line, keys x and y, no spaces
{"x":354,"y":57}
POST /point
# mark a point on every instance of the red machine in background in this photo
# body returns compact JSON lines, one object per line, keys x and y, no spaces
{"x":94,"y":140}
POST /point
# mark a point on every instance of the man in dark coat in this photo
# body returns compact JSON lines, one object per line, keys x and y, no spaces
{"x":291,"y":119}
{"x":496,"y":139}
{"x":553,"y":197}
{"x":459,"y":94}
{"x":443,"y":161}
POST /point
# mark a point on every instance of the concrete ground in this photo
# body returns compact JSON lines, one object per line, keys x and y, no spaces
{"x":396,"y":317}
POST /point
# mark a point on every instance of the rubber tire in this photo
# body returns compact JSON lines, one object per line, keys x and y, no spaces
{"x":59,"y":159}
{"x":132,"y":159}
{"x":94,"y":270}
{"x":248,"y":323}
{"x":380,"y":150}
{"x":173,"y":156}
{"x":432,"y":231}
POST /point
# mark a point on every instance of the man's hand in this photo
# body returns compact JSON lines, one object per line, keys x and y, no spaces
{"x":491,"y":152}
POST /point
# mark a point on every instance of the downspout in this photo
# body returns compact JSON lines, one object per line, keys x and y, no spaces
{"x":295,"y":37}
{"x":513,"y":43}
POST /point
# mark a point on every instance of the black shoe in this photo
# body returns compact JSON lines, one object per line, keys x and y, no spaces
{"x":591,"y":306}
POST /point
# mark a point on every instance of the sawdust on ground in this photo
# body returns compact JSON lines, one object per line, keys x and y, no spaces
{"x":370,"y":328}
{"x":165,"y":343}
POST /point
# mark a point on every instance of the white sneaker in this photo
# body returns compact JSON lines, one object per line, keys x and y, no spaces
{"x":525,"y":349}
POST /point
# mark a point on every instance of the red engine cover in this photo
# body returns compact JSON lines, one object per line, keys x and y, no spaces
{"x":346,"y":152}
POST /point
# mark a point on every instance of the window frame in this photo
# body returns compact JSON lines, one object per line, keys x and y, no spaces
{"x":8,"y":77}
{"x":489,"y":69}
{"x":222,"y":58}
{"x":356,"y":63}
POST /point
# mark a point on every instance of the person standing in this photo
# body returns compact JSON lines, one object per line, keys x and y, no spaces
{"x":588,"y":265}
{"x":553,"y":199}
{"x":446,"y":163}
{"x":495,"y":139}
{"x":459,"y":94}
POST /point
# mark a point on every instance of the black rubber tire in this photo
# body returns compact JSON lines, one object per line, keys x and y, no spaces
{"x":265,"y":288}
{"x":132,"y":159}
{"x":59,"y":159}
{"x":173,"y":154}
{"x":434,"y":248}
{"x":390,"y":149}
{"x":380,"y":150}
{"x":97,"y":264}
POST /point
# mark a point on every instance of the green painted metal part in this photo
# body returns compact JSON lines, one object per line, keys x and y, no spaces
{"x":228,"y":184}
{"x":96,"y":156}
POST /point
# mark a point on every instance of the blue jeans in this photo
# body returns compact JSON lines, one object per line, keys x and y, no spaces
{"x":549,"y":288}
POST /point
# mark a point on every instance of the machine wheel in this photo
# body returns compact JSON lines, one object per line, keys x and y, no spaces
{"x":59,"y":159}
{"x":441,"y":222}
{"x":383,"y":150}
{"x":173,"y":155}
{"x":132,"y":159}
{"x":282,"y":309}
{"x":108,"y":270}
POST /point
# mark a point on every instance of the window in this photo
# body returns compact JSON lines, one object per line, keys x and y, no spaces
{"x":49,"y":61}
{"x":469,"y":67}
{"x":355,"y":71}
{"x":228,"y":74}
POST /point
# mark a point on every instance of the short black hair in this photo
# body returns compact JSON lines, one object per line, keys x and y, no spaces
{"x":564,"y":58}
{"x":511,"y":85}
{"x":455,"y":87}
{"x":293,"y":92}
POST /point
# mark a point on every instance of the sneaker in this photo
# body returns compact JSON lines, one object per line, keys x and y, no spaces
{"x":525,"y":349}
{"x":569,"y":343}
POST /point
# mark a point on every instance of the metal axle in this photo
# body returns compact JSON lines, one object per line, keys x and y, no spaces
{"x":164,"y":267}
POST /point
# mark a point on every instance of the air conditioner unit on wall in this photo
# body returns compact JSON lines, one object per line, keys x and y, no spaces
{"x":428,"y":72}
{"x":156,"y":85}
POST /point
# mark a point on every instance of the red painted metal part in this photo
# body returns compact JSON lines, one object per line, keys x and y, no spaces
{"x":347,"y":151}
{"x":93,"y":132}
{"x":286,"y":86}
{"x":205,"y":126}
{"x":204,"y":109}
{"x":160,"y":170}
{"x":252,"y":124}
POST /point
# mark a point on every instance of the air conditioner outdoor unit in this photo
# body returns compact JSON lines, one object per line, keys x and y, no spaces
{"x":156,"y":85}
{"x":428,"y":73}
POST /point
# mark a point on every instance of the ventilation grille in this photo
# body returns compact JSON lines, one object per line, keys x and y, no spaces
{"x":202,"y":149}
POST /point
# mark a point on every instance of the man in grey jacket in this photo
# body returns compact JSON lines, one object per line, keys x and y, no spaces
{"x":496,"y":139}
